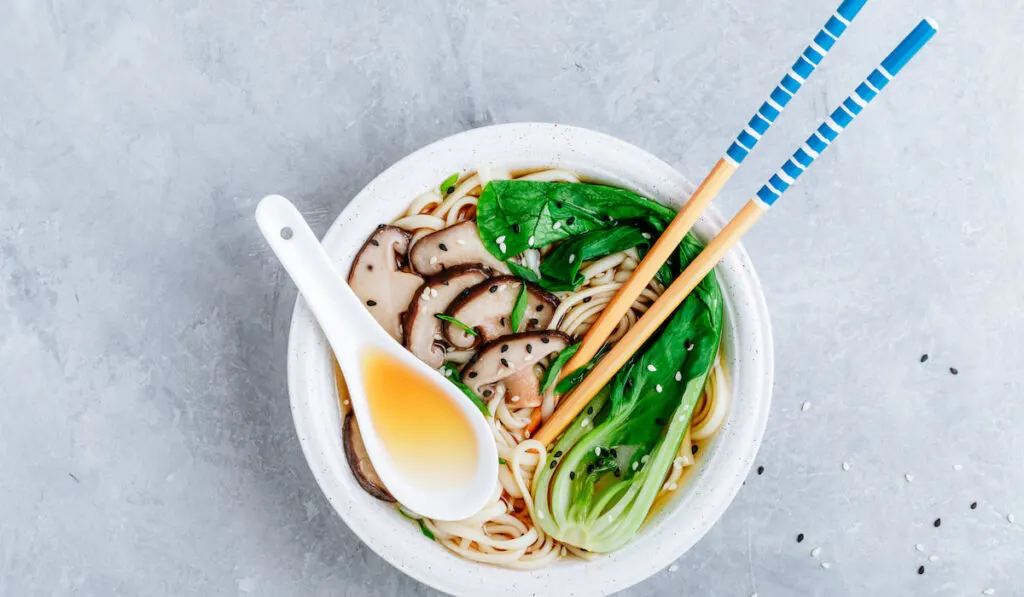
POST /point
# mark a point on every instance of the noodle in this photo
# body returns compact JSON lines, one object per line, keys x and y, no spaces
{"x":504,"y":533}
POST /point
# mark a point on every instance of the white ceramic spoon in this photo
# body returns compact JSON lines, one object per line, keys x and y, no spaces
{"x":351,"y":331}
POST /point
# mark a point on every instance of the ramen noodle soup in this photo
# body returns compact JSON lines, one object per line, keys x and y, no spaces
{"x":493,"y":278}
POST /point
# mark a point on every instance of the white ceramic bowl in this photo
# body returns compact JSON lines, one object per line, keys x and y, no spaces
{"x":677,"y":527}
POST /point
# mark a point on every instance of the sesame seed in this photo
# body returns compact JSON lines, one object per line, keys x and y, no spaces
{"x":433,"y":260}
{"x":500,"y":239}
{"x":516,"y":228}
{"x":933,"y":558}
{"x":527,"y":434}
{"x":530,"y":242}
{"x":636,"y":465}
{"x":433,"y":293}
{"x":760,"y":470}
{"x":374,"y":242}
{"x":571,"y":220}
{"x":371,"y":303}
{"x":442,"y":246}
{"x":909,"y":477}
{"x":545,"y":340}
{"x":800,"y":538}
{"x":920,"y":570}
{"x":826,"y":565}
{"x":516,"y":399}
{"x":679,"y":376}
{"x":588,"y":299}
{"x":556,"y":226}
{"x":806,"y":406}
{"x":572,"y":258}
{"x":460,"y":241}
{"x":645,"y":235}
{"x":618,"y":473}
{"x":645,"y":458}
{"x":590,"y":410}
{"x":937,"y":523}
{"x":502,"y":247}
{"x":493,"y":289}
{"x":558,"y":454}
{"x":472,"y":374}
{"x":554,"y":463}
{"x":846,"y":466}
{"x":504,"y":348}
{"x":1010,"y":518}
{"x":540,"y":308}
{"x":590,"y":468}
{"x":447,"y":372}
{"x":924,"y":357}
{"x":572,"y":475}
{"x":919,"y":547}
{"x":815,"y":552}
{"x":504,"y":362}
{"x":958,"y":467}
{"x":688,"y":345}
{"x":657,"y":388}
{"x":974,"y":505}
{"x":652,"y":368}
{"x":584,"y":422}
{"x":693,"y":449}
{"x":597,"y":451}
{"x":487,"y":393}
{"x":529,"y":348}
{"x":954,"y":371}
{"x":989,"y":592}
{"x":673,"y":568}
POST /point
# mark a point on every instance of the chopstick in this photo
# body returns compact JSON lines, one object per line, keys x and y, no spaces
{"x":779,"y":182}
{"x":720,"y":174}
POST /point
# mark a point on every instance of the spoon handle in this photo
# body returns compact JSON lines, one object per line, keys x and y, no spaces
{"x":304,"y":258}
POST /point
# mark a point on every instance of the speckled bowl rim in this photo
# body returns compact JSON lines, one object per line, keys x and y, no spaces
{"x":679,"y":525}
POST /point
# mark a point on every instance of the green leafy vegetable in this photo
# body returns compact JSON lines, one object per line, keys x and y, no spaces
{"x":501,"y":460}
{"x":560,"y":268}
{"x":518,"y":308}
{"x":573,"y":380}
{"x":457,"y":324}
{"x":449,"y":184}
{"x":555,"y":368}
{"x":593,"y":497}
{"x":523,"y":272}
{"x":452,"y":373}
{"x":423,"y":527}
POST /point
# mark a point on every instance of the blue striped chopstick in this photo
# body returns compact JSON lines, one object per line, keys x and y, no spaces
{"x":802,"y":69}
{"x":843,"y":115}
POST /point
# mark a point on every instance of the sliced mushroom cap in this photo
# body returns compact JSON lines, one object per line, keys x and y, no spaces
{"x":422,"y":328}
{"x":522,"y":390}
{"x":509,"y":357}
{"x":455,"y":245}
{"x":376,"y":279}
{"x":487,"y":306}
{"x":359,"y":461}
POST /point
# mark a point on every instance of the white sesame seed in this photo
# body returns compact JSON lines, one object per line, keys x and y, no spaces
{"x":528,"y":357}
{"x":815,"y":552}
{"x":460,"y":241}
{"x":806,"y":406}
{"x":651,"y":368}
{"x":636,"y":465}
{"x":679,"y":376}
{"x":645,"y":458}
{"x":500,"y":240}
{"x":556,"y":226}
{"x":657,"y":388}
{"x":433,"y":260}
{"x":989,"y":592}
{"x":673,"y":568}
{"x":433,"y":292}
{"x":597,"y":451}
{"x":826,"y":565}
{"x":572,"y":258}
{"x":919,"y":547}
{"x":516,"y":399}
{"x":908,"y":477}
{"x":645,"y":235}
{"x":846,"y":466}
{"x":1010,"y":518}
{"x":527,"y":434}
{"x":530,"y":242}
{"x":672,"y":487}
{"x":584,"y":422}
{"x":958,"y":467}
{"x":447,"y":372}
{"x":933,"y":558}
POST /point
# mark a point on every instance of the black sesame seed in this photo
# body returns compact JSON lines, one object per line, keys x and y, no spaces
{"x":369,"y":268}
{"x":590,"y":468}
{"x":442,"y":246}
{"x":371,"y":303}
{"x":502,"y":321}
{"x":450,"y":190}
{"x":693,"y":449}
{"x":559,"y":204}
{"x":924,"y":357}
{"x":554,"y":463}
{"x":504,"y":348}
{"x":472,"y":374}
{"x":618,"y":473}
{"x":504,"y":362}
{"x":937,"y":523}
{"x":545,"y":339}
{"x":920,"y":570}
{"x":974,"y":505}
{"x":540,"y":308}
{"x":558,"y":454}
{"x":571,"y":220}
{"x":445,"y":283}
{"x":379,"y":226}
{"x":374,"y":242}
{"x":588,"y":299}
{"x":590,"y":410}
{"x":529,"y":348}
{"x":954,"y":371}
{"x":688,"y":345}
{"x":614,"y":453}
{"x":487,"y":393}
{"x":534,"y":321}
{"x":760,"y":470}
{"x":800,"y":538}
{"x":572,"y":475}
{"x":493,"y":289}
{"x":516,"y":228}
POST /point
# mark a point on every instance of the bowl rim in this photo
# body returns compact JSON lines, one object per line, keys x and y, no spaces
{"x":309,"y":365}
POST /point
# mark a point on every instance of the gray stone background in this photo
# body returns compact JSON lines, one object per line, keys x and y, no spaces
{"x":146,"y":446}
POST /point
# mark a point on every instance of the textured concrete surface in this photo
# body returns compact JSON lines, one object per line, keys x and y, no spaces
{"x":146,"y":447}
